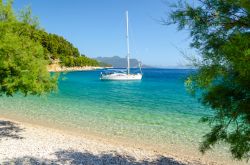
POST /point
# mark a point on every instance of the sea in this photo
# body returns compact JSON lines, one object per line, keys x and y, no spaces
{"x":156,"y":113}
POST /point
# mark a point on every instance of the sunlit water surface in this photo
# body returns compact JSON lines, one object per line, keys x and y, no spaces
{"x":155,"y":112}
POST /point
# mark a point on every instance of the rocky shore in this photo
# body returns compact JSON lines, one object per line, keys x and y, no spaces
{"x":58,"y":68}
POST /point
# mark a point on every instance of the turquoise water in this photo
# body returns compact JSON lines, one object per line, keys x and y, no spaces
{"x":156,"y":112}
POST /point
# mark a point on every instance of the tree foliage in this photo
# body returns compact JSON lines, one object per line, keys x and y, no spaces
{"x":55,"y":47}
{"x":59,"y":48}
{"x":220,"y":31}
{"x":78,"y":61}
{"x":26,"y":50}
{"x":22,"y":64}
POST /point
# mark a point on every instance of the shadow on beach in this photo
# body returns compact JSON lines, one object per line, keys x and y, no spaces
{"x":85,"y":158}
{"x":9,"y":129}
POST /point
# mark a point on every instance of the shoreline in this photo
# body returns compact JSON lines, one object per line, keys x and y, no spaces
{"x":43,"y":142}
{"x":57,"y":68}
{"x":29,"y":142}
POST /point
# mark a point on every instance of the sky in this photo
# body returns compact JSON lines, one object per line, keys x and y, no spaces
{"x":98,"y":28}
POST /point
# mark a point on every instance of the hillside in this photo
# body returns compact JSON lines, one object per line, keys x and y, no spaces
{"x":118,"y":62}
{"x":56,"y":47}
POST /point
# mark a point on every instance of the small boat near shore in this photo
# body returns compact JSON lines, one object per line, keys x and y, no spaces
{"x":123,"y":75}
{"x":120,"y":76}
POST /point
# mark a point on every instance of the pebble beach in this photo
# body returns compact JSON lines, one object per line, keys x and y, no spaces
{"x":23,"y":143}
{"x":28,"y":144}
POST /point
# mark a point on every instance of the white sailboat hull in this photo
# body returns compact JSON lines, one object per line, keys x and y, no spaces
{"x":121,"y":76}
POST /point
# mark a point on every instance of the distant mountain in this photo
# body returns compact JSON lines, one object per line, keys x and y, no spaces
{"x":118,"y":62}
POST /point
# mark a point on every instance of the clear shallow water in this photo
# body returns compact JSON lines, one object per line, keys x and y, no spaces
{"x":156,"y":111}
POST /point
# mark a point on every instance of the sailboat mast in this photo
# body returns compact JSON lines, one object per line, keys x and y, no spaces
{"x":127,"y":38}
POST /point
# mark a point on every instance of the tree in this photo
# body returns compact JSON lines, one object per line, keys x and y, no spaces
{"x":6,"y":12}
{"x":22,"y":64}
{"x":220,"y":31}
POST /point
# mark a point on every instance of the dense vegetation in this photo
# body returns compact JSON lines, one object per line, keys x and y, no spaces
{"x":26,"y":50}
{"x":55,"y":47}
{"x":220,"y":31}
{"x":22,"y":64}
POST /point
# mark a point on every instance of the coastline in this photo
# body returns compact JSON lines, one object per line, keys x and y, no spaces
{"x":58,"y":68}
{"x":28,"y":142}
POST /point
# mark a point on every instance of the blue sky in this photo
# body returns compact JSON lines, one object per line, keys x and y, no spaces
{"x":97,"y":28}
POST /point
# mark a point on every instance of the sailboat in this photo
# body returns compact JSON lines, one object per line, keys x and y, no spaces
{"x":120,"y":75}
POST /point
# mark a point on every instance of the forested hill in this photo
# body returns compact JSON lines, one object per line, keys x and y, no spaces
{"x":26,"y":50}
{"x":56,"y":47}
